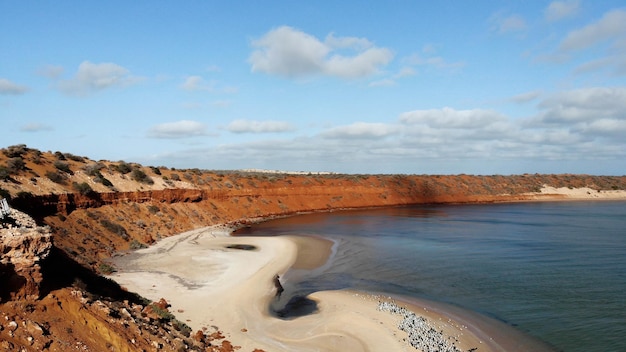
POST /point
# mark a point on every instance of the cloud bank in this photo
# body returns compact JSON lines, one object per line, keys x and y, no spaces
{"x":584,"y":123}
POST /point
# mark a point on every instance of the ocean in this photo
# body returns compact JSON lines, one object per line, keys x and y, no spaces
{"x":554,"y":270}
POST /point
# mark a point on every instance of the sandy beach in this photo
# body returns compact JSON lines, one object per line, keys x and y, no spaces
{"x":583,"y":193}
{"x":211,"y":286}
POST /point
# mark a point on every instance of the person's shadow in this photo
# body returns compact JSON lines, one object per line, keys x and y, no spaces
{"x":296,"y":305}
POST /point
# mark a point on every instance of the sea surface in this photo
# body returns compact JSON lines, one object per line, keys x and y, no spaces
{"x":555,"y":270}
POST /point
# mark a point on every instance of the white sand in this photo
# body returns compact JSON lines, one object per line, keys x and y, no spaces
{"x":583,"y":193}
{"x":209,"y":285}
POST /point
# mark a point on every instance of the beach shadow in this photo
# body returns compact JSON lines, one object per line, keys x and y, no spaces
{"x":243,"y":247}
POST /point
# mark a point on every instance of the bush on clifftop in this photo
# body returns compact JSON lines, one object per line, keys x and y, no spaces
{"x":140,"y":176}
{"x":83,"y":188}
{"x":63,"y":166}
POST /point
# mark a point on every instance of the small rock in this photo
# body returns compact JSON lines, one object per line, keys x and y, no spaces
{"x":12,"y":325}
{"x":34,"y":329}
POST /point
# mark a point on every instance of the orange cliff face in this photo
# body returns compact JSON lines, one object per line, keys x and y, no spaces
{"x":98,"y":207}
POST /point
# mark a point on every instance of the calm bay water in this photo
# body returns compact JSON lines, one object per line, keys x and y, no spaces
{"x":554,"y":270}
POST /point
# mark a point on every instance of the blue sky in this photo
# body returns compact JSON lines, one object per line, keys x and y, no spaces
{"x":417,"y":87}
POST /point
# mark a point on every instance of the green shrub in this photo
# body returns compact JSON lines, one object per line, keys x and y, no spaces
{"x":74,"y":157}
{"x":98,"y":177}
{"x":16,"y":164}
{"x":56,"y":177}
{"x":93,"y":169}
{"x":15,"y":150}
{"x":182,"y":327}
{"x":115,"y":228}
{"x":175,"y":177}
{"x":63,"y":166}
{"x":162,"y":313}
{"x":103,"y":180}
{"x":83,"y":188}
{"x":36,"y":156}
{"x":134,"y":244}
{"x":5,"y":174}
{"x":153,"y":209}
{"x":106,"y":268}
{"x":140,"y":176}
{"x":123,"y":168}
{"x":156,"y":170}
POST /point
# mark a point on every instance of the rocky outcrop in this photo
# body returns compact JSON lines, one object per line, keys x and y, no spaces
{"x":23,"y":245}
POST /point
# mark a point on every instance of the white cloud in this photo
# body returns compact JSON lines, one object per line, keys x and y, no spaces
{"x":347,"y":42}
{"x":526,"y":97}
{"x":251,"y":126}
{"x":35,"y":127}
{"x":195,"y":83}
{"x":507,"y":24}
{"x":199,"y":84}
{"x":558,"y":10}
{"x":452,"y":118}
{"x":10,"y":88}
{"x":591,"y":114}
{"x":405,"y":72}
{"x":288,"y":52}
{"x":51,"y":71}
{"x":585,"y":105}
{"x":92,"y":77}
{"x":178,"y":129}
{"x":359,"y":130}
{"x":611,"y":26}
{"x":361,"y":65}
{"x":603,"y":127}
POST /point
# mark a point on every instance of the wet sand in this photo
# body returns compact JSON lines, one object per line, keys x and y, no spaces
{"x":213,"y":280}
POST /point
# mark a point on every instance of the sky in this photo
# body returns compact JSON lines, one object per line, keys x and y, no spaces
{"x":367,"y":87}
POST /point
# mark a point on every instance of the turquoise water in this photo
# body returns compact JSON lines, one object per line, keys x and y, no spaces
{"x":554,"y":270}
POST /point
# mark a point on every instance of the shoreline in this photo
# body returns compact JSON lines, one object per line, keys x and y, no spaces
{"x":211,"y":286}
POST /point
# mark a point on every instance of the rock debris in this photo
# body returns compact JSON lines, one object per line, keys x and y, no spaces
{"x":421,"y":334}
